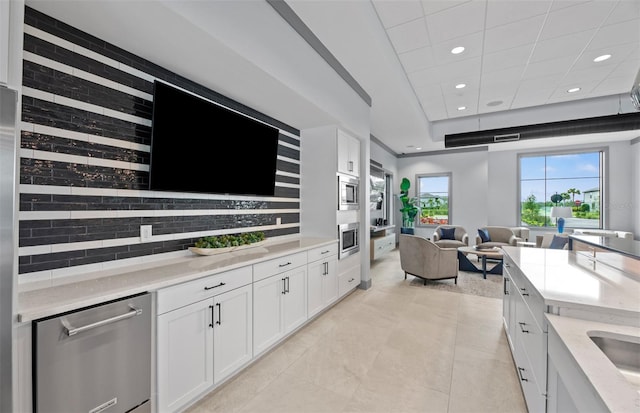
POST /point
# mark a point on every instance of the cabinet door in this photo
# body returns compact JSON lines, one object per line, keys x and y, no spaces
{"x":185,"y":355}
{"x":315,"y":278}
{"x":294,"y":308}
{"x":322,"y":285}
{"x":348,"y":154}
{"x":232,"y":331}
{"x":267,"y":311}
{"x":330,"y":284}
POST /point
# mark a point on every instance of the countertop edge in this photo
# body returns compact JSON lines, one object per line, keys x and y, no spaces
{"x":612,"y":388}
{"x":102,"y":291}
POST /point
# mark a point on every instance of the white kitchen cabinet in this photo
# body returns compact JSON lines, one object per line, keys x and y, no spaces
{"x":279,"y":306}
{"x":185,"y":355}
{"x":201,"y":343}
{"x":232,"y":331}
{"x":348,"y":154}
{"x":348,"y":274}
{"x":382,"y":245}
{"x":526,"y":331}
{"x":322,"y":278}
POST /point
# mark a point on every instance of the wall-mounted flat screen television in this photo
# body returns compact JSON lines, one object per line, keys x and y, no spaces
{"x":199,"y":146}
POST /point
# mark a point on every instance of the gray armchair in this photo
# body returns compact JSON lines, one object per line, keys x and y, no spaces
{"x":499,"y":236}
{"x":424,"y":259}
{"x":460,"y":235}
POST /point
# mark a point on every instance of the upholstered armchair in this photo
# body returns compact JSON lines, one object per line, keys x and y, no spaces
{"x":459,"y":234}
{"x":521,"y":232}
{"x":424,"y":259}
{"x":497,"y":237}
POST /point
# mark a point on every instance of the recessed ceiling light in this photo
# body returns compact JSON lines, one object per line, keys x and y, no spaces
{"x":495,"y":103}
{"x":460,"y":85}
{"x":457,"y":50}
{"x":462,"y":107}
{"x":573,"y":90}
{"x":418,"y":148}
{"x":602,"y":58}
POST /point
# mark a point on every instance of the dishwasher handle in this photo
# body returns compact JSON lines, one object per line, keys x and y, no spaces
{"x":71,"y":331}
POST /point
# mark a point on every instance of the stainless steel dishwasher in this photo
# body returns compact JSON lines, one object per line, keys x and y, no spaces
{"x":96,"y":359}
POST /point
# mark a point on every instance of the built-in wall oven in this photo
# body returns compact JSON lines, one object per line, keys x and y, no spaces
{"x":95,"y":360}
{"x":348,"y":187}
{"x":348,"y":239}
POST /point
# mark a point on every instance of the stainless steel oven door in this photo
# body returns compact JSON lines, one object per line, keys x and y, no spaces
{"x":349,"y":243}
{"x":348,"y":197}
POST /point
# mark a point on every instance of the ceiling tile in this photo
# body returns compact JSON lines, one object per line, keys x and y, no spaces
{"x":561,"y":94}
{"x":456,"y":22}
{"x":548,"y":67}
{"x":393,"y":13}
{"x":455,"y":72}
{"x":625,"y":32}
{"x":625,"y":10}
{"x":510,"y":75}
{"x":613,"y":85}
{"x":512,"y":35}
{"x":570,"y":45}
{"x":501,"y":12}
{"x":504,"y":59}
{"x":471,"y":43}
{"x":618,"y":55}
{"x":594,"y":72}
{"x":576,"y":19}
{"x":409,"y":36}
{"x":434,"y":6}
{"x":529,"y":98}
{"x":417,"y":59}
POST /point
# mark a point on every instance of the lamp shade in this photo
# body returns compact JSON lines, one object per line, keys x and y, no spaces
{"x":561,"y":212}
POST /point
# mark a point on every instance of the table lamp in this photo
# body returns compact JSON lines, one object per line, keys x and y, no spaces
{"x":561,"y":213}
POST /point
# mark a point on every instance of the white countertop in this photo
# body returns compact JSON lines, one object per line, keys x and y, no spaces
{"x":608,"y":297}
{"x":614,"y":390}
{"x":95,"y":288}
{"x":568,"y":280}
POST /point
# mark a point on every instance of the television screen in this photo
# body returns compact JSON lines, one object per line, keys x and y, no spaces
{"x":199,"y":146}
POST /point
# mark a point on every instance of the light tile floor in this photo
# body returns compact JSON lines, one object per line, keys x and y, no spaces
{"x":393,"y":348}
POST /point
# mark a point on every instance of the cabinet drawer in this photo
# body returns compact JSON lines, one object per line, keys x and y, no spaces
{"x":322,"y":252}
{"x":534,"y":397}
{"x":532,"y":339}
{"x":190,"y":292}
{"x":348,"y":280}
{"x":275,"y":266}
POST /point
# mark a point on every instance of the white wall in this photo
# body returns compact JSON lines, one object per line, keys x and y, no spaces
{"x":485,"y":185}
{"x":469,"y":203}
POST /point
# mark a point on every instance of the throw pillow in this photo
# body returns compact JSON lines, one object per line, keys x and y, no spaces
{"x":558,"y":242}
{"x":447,"y":233}
{"x":484,"y":234}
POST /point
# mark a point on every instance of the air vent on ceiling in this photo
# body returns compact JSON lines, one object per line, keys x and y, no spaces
{"x":510,"y":137}
{"x":601,"y":124}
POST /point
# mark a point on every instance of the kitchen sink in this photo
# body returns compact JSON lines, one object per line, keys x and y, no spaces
{"x":623,"y":351}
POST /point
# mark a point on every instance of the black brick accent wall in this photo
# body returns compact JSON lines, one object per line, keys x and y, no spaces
{"x":44,"y":227}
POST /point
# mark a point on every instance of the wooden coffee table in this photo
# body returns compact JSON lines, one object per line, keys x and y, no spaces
{"x":492,"y":253}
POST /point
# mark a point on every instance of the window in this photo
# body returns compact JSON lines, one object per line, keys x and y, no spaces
{"x":572,"y":180}
{"x":433,"y":198}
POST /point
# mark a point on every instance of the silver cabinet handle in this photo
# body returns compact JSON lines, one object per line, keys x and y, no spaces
{"x":71,"y":331}
{"x":325,"y":252}
{"x":284,"y":265}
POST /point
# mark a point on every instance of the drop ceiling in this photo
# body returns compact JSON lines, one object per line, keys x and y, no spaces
{"x":520,"y":57}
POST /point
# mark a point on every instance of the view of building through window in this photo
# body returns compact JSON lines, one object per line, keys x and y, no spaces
{"x":570,"y":180}
{"x":433,"y":199}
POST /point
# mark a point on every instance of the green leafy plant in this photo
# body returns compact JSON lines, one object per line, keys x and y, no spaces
{"x":230,"y":240}
{"x":409,"y":209}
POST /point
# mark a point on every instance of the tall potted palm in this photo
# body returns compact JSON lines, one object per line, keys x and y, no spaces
{"x":409,"y":209}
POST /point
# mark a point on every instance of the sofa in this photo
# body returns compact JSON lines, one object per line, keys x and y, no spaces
{"x":498,"y":237}
{"x":460,"y":235}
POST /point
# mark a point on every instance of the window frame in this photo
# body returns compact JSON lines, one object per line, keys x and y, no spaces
{"x":604,"y":181}
{"x":449,"y":176}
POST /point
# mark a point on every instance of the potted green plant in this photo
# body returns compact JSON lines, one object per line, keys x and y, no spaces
{"x":409,"y":209}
